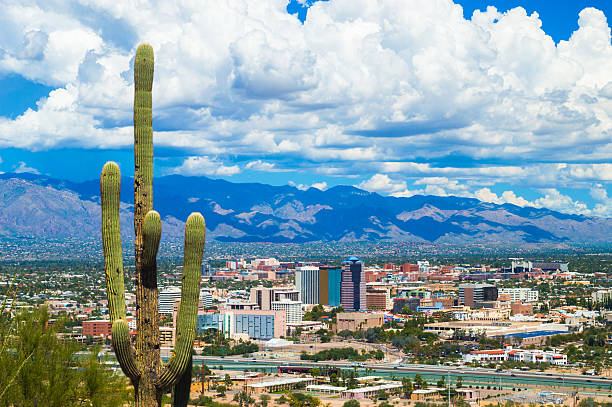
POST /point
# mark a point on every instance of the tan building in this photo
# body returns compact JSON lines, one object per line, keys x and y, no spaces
{"x":518,"y":307}
{"x":429,"y":394}
{"x":378,"y":299}
{"x":358,"y":321}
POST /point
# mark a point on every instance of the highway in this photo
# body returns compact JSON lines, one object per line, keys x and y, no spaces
{"x":431,"y":373}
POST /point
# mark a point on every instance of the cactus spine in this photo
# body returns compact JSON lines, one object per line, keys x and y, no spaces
{"x":142,"y":363}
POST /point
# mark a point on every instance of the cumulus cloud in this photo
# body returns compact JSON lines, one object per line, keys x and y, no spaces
{"x":264,"y":166}
{"x":22,"y":167}
{"x":553,"y":199}
{"x":382,"y":183}
{"x":202,"y":165}
{"x":599,"y":193}
{"x":303,"y":187}
{"x":320,"y":185}
{"x":486,"y":195}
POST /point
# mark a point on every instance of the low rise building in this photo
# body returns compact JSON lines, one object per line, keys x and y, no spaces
{"x":520,"y":294}
{"x":254,"y":324}
{"x":520,"y":308}
{"x":371,"y":391}
{"x":518,"y":355}
{"x":358,"y":321}
{"x":325,"y":389}
{"x":288,"y":383}
{"x":426,"y":395}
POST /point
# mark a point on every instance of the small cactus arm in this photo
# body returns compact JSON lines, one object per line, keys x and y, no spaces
{"x":182,"y":388}
{"x":110,"y":185}
{"x":195,"y":234}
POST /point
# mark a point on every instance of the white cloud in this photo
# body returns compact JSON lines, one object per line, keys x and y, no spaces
{"x":381,"y":183}
{"x":486,"y":195}
{"x":599,"y":193}
{"x":303,"y":187}
{"x":491,"y":86}
{"x":320,"y":185}
{"x":202,"y":165}
{"x":363,"y":88}
{"x":555,"y":200}
{"x":21,"y":168}
{"x":264,"y":166}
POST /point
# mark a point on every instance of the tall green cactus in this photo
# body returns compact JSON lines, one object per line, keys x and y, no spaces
{"x":142,"y":363}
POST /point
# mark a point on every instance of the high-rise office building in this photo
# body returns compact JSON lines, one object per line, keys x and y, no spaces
{"x":167,"y":298}
{"x":474,"y":294}
{"x":307,"y":283}
{"x":330,"y":279}
{"x":353,"y":285}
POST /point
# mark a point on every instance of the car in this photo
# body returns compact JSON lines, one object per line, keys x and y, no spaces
{"x":394,"y":367}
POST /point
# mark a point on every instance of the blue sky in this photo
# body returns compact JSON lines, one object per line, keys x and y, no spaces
{"x":505,"y":104}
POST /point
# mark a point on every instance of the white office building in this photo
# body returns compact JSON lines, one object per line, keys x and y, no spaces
{"x":520,"y":294}
{"x":601,"y":295}
{"x":167,"y":298}
{"x":206,"y":298}
{"x":307,"y":283}
{"x":293,"y":309}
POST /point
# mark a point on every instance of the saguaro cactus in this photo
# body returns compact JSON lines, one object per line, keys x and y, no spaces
{"x":142,"y":363}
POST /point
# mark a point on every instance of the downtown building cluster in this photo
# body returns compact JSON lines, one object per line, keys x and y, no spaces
{"x":470,"y":296}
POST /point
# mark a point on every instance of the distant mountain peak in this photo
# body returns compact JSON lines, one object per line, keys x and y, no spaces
{"x":39,"y":206}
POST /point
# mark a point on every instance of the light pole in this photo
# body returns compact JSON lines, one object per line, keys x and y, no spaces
{"x":449,"y":384}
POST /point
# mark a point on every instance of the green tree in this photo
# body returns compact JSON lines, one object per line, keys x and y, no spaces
{"x":407,"y":387}
{"x":264,"y":400}
{"x":221,"y":390}
{"x":459,"y":382}
{"x":38,"y":368}
{"x":351,"y":403}
{"x":302,"y":400}
{"x":228,"y":381}
{"x":382,"y":395}
{"x":101,"y":387}
{"x":243,"y":398}
{"x":418,"y":381}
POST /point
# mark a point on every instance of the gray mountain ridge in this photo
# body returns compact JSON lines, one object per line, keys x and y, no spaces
{"x":38,"y":206}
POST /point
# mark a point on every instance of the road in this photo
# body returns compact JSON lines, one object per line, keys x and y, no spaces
{"x":431,"y":373}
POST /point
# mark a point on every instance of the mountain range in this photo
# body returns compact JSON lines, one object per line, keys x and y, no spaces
{"x":34,"y":206}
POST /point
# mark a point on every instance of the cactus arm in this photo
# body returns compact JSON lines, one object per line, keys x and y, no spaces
{"x":182,"y":388}
{"x":195,"y":232}
{"x":143,"y":136}
{"x":150,"y":239}
{"x":110,"y":185}
{"x":124,"y":350}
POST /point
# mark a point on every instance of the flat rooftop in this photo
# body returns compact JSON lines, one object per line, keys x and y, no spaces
{"x":280,"y":382}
